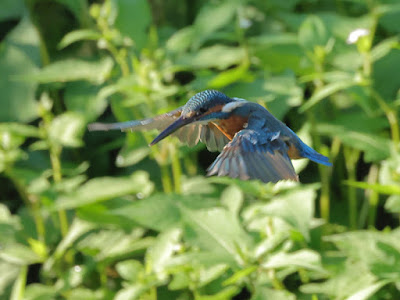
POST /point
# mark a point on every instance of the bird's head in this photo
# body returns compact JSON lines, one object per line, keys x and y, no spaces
{"x":205,"y":106}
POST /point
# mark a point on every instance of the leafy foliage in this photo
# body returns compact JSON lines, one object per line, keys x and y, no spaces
{"x":103,"y":216}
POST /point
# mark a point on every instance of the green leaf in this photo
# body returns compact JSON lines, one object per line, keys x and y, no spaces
{"x":133,"y":19}
{"x":306,"y":259}
{"x":216,"y":230}
{"x":67,"y":129}
{"x":267,"y":293}
{"x":20,"y":129}
{"x":375,"y":146}
{"x":162,"y":250}
{"x":217,"y":56}
{"x":380,"y":188}
{"x":129,"y":269}
{"x":19,"y":54}
{"x":393,"y":204}
{"x":295,"y":208}
{"x":105,"y":188}
{"x":19,"y":254}
{"x":211,"y":274}
{"x":78,"y":35}
{"x":232,"y":198}
{"x":72,"y":70}
{"x":82,"y":97}
{"x":327,"y":91}
{"x":313,"y":33}
{"x":161,"y":211}
{"x":367,"y":292}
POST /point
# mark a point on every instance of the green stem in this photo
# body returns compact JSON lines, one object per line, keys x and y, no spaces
{"x":391,"y":115}
{"x":30,"y":202}
{"x":323,"y":172}
{"x":351,"y":157}
{"x":176,"y":170}
{"x":55,"y":152}
{"x":166,"y":179}
{"x":373,"y":196}
{"x":18,"y":289}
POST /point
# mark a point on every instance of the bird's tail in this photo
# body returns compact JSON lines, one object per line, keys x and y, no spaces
{"x":313,"y":155}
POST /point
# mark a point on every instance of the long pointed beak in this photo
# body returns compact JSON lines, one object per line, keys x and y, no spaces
{"x":171,"y":129}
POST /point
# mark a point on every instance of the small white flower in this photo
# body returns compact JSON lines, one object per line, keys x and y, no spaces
{"x":356,"y":34}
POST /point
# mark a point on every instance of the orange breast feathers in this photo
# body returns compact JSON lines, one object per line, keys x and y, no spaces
{"x":229,"y":127}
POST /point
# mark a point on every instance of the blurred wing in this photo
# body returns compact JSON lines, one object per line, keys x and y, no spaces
{"x":209,"y":134}
{"x":190,"y":134}
{"x":251,"y":155}
{"x":159,"y":122}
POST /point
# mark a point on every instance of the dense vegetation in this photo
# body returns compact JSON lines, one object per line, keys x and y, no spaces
{"x":104,"y":216}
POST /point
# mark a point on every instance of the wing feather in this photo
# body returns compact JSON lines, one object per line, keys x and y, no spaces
{"x":251,"y":155}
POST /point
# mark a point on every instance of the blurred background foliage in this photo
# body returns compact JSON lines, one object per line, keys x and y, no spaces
{"x":103,"y":216}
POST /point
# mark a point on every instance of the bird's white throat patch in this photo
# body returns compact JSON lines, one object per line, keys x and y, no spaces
{"x":232,"y":105}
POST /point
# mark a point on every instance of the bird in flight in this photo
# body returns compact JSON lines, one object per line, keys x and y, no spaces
{"x":253,"y":143}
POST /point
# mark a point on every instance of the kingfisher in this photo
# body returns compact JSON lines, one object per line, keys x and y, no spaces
{"x":253,"y":143}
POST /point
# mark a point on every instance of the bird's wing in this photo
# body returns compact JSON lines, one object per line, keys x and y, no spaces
{"x":190,"y":134}
{"x":254,"y":155}
{"x":159,"y":122}
{"x":209,"y":134}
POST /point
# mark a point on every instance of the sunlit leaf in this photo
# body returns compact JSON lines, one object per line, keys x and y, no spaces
{"x":105,"y":188}
{"x":78,"y":35}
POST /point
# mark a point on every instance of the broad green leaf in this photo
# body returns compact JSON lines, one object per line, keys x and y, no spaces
{"x":216,"y":230}
{"x":367,"y":292}
{"x":8,"y":275}
{"x":162,"y":250}
{"x":105,"y":188}
{"x":351,"y":278}
{"x":78,"y":35}
{"x":127,"y":157}
{"x":267,"y":293}
{"x":72,"y":70}
{"x":327,"y":91}
{"x":82,"y":97}
{"x":217,"y":56}
{"x":132,"y":292}
{"x":181,"y":40}
{"x":162,"y":211}
{"x":232,"y":198}
{"x":19,"y":254}
{"x":133,"y":19}
{"x":19,"y":54}
{"x":295,"y":208}
{"x":375,"y":146}
{"x":67,"y":129}
{"x":313,"y":33}
{"x":129,"y":269}
{"x":211,"y":274}
{"x":393,"y":204}
{"x":306,"y":259}
{"x":20,"y":129}
{"x":212,"y":18}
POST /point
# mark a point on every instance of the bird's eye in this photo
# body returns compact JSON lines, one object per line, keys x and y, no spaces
{"x":202,"y":110}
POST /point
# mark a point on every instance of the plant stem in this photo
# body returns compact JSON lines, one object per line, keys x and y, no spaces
{"x":176,"y":169}
{"x":351,"y":157}
{"x":165,"y":179}
{"x":55,"y":152}
{"x":18,"y":290}
{"x":373,"y":196}
{"x":31,"y":202}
